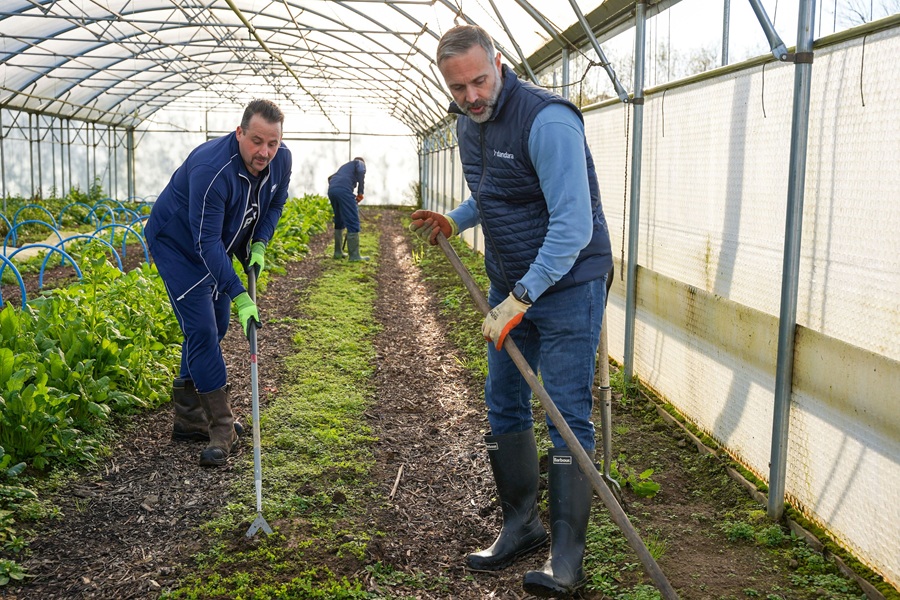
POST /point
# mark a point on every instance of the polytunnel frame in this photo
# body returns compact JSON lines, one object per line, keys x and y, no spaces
{"x":424,"y":86}
{"x":787,"y":320}
{"x":63,"y":135}
{"x":94,"y":82}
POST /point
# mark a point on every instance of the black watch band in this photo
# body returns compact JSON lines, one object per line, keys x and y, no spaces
{"x":521,"y":294}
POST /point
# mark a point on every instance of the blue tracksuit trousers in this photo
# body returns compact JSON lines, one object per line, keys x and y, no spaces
{"x":203,"y":316}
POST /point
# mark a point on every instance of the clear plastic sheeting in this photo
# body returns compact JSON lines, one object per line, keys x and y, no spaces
{"x":119,"y":62}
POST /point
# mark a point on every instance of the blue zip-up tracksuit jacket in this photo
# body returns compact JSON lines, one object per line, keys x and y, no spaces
{"x":196,"y":222}
{"x":350,"y":175}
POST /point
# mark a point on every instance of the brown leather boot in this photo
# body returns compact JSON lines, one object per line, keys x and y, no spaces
{"x":223,"y":429}
{"x":190,"y":421}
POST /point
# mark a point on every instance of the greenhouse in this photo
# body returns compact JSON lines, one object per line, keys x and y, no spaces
{"x":744,"y":400}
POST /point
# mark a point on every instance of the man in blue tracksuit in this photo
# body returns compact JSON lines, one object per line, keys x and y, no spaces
{"x":346,"y":189}
{"x":547,"y":255}
{"x":223,"y":201}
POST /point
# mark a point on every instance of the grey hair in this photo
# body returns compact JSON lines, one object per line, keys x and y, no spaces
{"x":266,"y":109}
{"x":461,"y":39}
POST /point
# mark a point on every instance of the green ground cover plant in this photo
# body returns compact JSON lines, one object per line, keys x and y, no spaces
{"x":76,"y":359}
{"x":316,"y":447}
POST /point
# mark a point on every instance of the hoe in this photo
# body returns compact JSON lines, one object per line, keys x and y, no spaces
{"x":259,"y":522}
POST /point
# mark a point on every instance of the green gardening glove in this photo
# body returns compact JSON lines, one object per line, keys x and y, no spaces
{"x":258,"y":256}
{"x":247,"y":310}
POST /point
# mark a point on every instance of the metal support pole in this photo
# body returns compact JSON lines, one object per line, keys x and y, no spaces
{"x":565,"y":74}
{"x":40,"y":159}
{"x":31,"y":153}
{"x":775,"y":43}
{"x":620,"y":91}
{"x":726,"y":31}
{"x":442,"y":173}
{"x":512,"y":38}
{"x":426,"y":165}
{"x":787,"y":323}
{"x":111,"y":162}
{"x":69,"y":151}
{"x":2,"y":162}
{"x":634,"y":213}
{"x":88,"y":155}
{"x":450,"y":153}
{"x":53,"y":157}
{"x":129,"y":160}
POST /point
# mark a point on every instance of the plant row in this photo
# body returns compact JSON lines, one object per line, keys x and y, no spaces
{"x":75,"y":357}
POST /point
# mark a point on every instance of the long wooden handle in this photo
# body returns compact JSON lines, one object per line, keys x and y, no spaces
{"x":584,"y":461}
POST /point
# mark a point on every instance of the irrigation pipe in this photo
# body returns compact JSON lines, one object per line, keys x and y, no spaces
{"x":587,"y":466}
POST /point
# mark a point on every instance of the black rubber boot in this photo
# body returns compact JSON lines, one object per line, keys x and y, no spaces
{"x":570,"y":509}
{"x":224,"y":431}
{"x":339,"y":244}
{"x":190,"y":423}
{"x":353,"y":247}
{"x":514,"y":462}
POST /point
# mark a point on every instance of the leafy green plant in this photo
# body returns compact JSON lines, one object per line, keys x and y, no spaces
{"x":640,"y":483}
{"x":771,"y":536}
{"x":10,"y":571}
{"x":11,"y":497}
{"x":737,"y":530}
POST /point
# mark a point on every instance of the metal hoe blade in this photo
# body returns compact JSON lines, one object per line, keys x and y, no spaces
{"x":259,"y":522}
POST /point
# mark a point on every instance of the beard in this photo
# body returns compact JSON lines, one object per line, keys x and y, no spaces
{"x":488,"y":104}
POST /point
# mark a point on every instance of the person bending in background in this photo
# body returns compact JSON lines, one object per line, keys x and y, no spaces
{"x":223,"y":201}
{"x":346,"y":189}
{"x":547,"y":255}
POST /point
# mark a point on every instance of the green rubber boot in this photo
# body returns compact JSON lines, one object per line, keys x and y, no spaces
{"x":353,"y":247}
{"x":339,"y":244}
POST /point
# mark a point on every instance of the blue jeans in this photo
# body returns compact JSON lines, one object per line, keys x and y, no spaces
{"x":558,"y":337}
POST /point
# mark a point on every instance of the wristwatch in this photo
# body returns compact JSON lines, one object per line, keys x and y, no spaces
{"x":521,"y":294}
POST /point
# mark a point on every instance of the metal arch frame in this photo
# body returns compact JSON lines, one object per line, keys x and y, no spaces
{"x":95,"y":71}
{"x":385,"y":30}
{"x":146,"y":54}
{"x":99,"y":44}
{"x":416,"y":96}
{"x":500,"y":48}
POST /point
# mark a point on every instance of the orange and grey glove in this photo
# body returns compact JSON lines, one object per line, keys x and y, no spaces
{"x":359,"y":198}
{"x":426,"y":224}
{"x":247,"y":310}
{"x":501,"y":320}
{"x":258,"y":256}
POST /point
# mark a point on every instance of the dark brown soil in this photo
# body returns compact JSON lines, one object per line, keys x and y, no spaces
{"x":129,"y":528}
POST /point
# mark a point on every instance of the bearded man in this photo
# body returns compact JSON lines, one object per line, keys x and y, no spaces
{"x":534,"y":192}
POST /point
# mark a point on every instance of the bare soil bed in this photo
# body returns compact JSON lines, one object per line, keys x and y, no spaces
{"x":130,"y":527}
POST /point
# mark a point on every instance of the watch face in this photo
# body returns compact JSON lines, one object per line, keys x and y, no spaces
{"x":521,"y":294}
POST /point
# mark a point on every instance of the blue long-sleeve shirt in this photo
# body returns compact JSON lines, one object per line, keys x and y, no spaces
{"x":556,"y":147}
